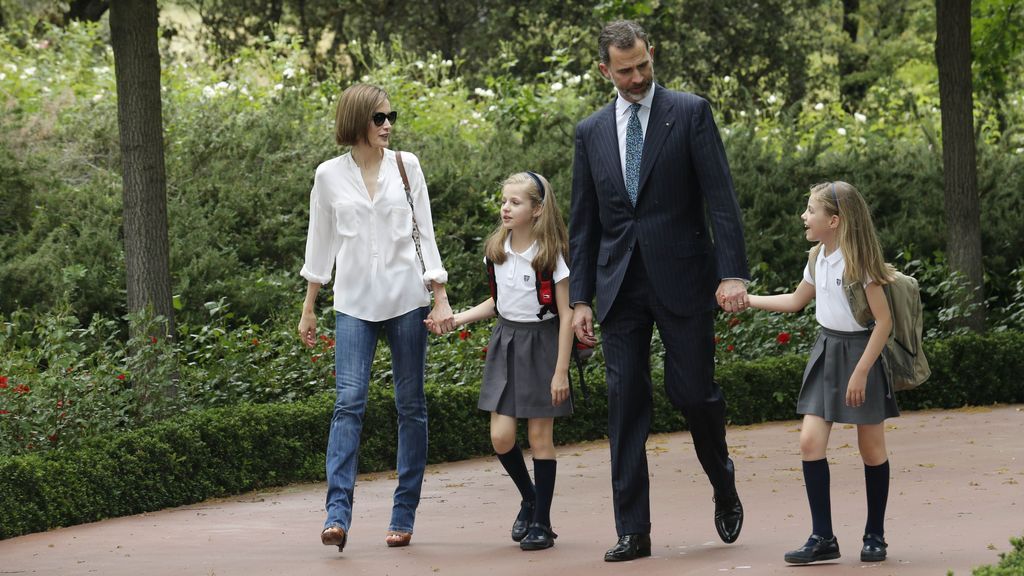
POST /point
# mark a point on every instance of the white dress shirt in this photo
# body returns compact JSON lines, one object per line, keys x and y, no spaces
{"x":622,"y":114}
{"x":831,"y":308}
{"x":370,"y":242}
{"x":517,"y":284}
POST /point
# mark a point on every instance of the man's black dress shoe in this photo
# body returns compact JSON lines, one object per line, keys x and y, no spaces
{"x":629,"y":547}
{"x":815,"y":549}
{"x":728,"y":517}
{"x":538,"y":537}
{"x":874,"y":548}
{"x":522,"y":523}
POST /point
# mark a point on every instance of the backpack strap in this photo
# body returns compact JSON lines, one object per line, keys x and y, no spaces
{"x":492,"y":281}
{"x":545,"y":293}
{"x":812,"y":259}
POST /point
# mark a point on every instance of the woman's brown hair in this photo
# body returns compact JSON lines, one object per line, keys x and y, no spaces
{"x":355,"y":107}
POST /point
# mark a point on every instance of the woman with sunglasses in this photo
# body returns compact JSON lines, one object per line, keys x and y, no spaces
{"x":362,"y":222}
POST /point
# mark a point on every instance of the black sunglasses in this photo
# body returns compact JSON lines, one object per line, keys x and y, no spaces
{"x":380,"y":117}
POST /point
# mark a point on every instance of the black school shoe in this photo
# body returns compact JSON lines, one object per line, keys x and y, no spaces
{"x":815,"y":549}
{"x":539,"y":537}
{"x":522,"y":523}
{"x":874,"y":548}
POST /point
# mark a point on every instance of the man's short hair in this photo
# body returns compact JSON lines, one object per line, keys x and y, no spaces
{"x":622,"y":34}
{"x":355,"y":107}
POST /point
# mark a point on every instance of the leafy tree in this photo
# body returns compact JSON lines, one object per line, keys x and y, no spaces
{"x":997,"y":36}
{"x":959,"y":154}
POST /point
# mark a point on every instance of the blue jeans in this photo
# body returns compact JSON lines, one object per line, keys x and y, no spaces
{"x":355,"y":345}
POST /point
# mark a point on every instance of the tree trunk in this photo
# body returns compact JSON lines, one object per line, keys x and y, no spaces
{"x":959,"y":157}
{"x":133,"y":34}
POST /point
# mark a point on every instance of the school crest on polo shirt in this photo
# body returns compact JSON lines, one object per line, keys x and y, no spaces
{"x":527,"y":279}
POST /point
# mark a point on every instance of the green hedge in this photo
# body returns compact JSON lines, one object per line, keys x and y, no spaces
{"x":228,"y":450}
{"x":1010,"y":563}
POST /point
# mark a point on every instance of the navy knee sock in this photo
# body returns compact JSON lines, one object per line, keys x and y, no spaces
{"x":876,"y":482}
{"x":515,"y":465}
{"x":817,"y":480}
{"x":544,"y":473}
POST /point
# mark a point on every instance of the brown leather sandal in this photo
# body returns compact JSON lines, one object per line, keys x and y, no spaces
{"x":334,"y":536}
{"x":396,"y":539}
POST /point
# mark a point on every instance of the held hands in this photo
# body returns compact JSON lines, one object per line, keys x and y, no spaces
{"x":441,"y":320}
{"x":583,"y":324}
{"x":559,"y":387}
{"x":732,"y":296}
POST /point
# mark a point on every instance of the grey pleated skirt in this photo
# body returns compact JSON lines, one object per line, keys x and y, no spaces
{"x":521,"y":358}
{"x":832,"y":360}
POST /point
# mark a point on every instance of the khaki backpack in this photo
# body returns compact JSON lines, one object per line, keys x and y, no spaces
{"x":903,"y":356}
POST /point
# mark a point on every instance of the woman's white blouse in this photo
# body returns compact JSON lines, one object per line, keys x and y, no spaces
{"x":370,"y":242}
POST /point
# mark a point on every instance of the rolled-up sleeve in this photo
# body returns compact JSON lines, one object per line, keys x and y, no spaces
{"x":433,"y":268}
{"x":321,"y":248}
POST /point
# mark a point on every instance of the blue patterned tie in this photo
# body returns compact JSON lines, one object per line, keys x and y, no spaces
{"x":634,"y":150}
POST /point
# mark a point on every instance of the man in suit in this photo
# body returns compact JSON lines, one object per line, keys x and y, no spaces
{"x":649,"y":172}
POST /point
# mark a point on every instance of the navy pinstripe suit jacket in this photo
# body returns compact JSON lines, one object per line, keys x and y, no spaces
{"x":684,"y":182}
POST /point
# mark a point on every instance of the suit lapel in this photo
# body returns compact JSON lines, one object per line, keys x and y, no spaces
{"x":608,"y":138}
{"x":659,"y":124}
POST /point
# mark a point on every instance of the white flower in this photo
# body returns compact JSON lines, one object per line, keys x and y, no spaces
{"x":1019,"y":150}
{"x":97,"y":98}
{"x":743,"y":113}
{"x":862,"y":140}
{"x":574,"y":80}
{"x":819,"y":106}
{"x":46,"y":90}
{"x":586,"y":75}
{"x":772,"y":99}
{"x":30,"y":70}
{"x":484,"y":92}
{"x":11,"y":67}
{"x":841,"y":131}
{"x":727,"y":79}
{"x":222,"y":85}
{"x":278,"y":86}
{"x":419,"y":64}
{"x":365,"y":78}
{"x":244,"y":90}
{"x":288,"y":73}
{"x":209,"y":92}
{"x":3,"y":76}
{"x":492,"y":108}
{"x":446,"y":62}
{"x":859,"y":117}
{"x":476,"y":115}
{"x":799,"y":148}
{"x":556,"y":86}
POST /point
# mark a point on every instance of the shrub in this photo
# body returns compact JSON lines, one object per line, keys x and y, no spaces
{"x":1010,"y":563}
{"x":226,"y":450}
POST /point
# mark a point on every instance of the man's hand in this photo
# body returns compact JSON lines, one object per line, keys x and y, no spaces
{"x":732,"y":295}
{"x":583,"y":324}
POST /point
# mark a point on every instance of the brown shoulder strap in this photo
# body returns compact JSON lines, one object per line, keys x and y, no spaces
{"x":401,"y":170}
{"x":812,"y":259}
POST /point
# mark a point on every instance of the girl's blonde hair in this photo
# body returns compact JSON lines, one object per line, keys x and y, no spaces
{"x":856,"y":232}
{"x":548,"y":228}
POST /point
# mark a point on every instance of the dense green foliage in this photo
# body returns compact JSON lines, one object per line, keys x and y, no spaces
{"x":221,"y":451}
{"x":1010,"y":563}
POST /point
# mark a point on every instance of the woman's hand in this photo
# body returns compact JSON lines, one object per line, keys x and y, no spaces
{"x":441,"y":317}
{"x":307,"y":329}
{"x":559,"y":387}
{"x":855,"y":389}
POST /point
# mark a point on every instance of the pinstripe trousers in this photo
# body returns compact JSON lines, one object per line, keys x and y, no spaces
{"x":689,"y":382}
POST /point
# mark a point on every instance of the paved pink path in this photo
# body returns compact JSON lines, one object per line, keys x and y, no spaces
{"x":956,"y":498}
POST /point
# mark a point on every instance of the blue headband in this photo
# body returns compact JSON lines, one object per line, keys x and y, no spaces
{"x":540,"y":185}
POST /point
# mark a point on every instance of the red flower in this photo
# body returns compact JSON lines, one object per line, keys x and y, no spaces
{"x":2,"y":412}
{"x":330,"y":342}
{"x":782,"y":338}
{"x":483,"y":353}
{"x":463,"y":334}
{"x":120,"y":377}
{"x":734,"y":321}
{"x":152,"y":339}
{"x":3,"y":381}
{"x":255,"y":342}
{"x":22,"y":389}
{"x":52,"y":437}
{"x":730,"y":347}
{"x":314,"y":358}
{"x":60,"y":403}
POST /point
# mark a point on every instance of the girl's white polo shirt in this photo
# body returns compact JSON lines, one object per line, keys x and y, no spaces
{"x":517,"y":284}
{"x":832,"y":310}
